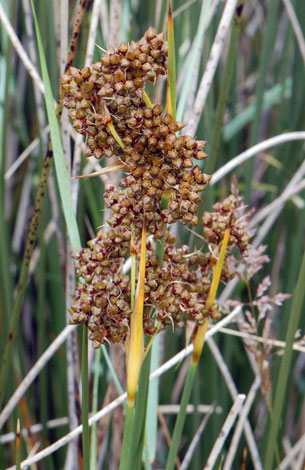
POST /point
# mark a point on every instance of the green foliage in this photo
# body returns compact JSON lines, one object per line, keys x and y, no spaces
{"x":256,"y":94}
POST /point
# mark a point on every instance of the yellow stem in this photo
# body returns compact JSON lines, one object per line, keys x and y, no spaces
{"x":135,"y":349}
{"x":199,"y":337}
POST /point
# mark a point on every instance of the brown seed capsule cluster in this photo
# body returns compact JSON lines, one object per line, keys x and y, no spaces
{"x":228,"y":213}
{"x":174,"y":290}
{"x":112,"y":90}
{"x":158,"y":161}
{"x":102,"y":300}
{"x":108,"y":105}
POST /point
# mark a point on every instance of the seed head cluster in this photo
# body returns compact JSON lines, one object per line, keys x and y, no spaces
{"x":156,"y":159}
{"x":108,"y":105}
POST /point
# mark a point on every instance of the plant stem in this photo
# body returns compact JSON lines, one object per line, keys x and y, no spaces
{"x":187,"y":390}
{"x":85,"y":400}
{"x":34,"y":224}
{"x":282,"y":382}
{"x":93,"y":454}
{"x":198,"y":343}
{"x":127,"y":435}
{"x":224,"y":91}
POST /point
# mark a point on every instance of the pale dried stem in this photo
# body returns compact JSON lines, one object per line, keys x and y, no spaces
{"x":296,"y":27}
{"x":33,"y":56}
{"x":22,"y":212}
{"x":104,"y":20}
{"x":190,"y":451}
{"x":76,"y":432}
{"x":63,"y":48}
{"x":295,"y":450}
{"x":216,"y":50}
{"x":26,"y":152}
{"x":55,"y":423}
{"x":190,"y":409}
{"x":35,"y":428}
{"x":256,"y":461}
{"x":299,"y":463}
{"x":240,"y":424}
{"x":278,"y":202}
{"x":265,"y":228}
{"x":92,"y":31}
{"x":20,"y":50}
{"x":235,"y":410}
{"x":188,"y":60}
{"x":259,"y":339}
{"x":244,"y":156}
{"x":32,"y":374}
{"x":72,"y":358}
{"x":114,"y":22}
{"x":63,"y":28}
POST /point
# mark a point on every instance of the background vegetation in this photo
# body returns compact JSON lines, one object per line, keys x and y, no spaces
{"x":257,"y":93}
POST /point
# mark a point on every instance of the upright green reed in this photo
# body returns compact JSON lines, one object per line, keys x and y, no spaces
{"x":256,"y":86}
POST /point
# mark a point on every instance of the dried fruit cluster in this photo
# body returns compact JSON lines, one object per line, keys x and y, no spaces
{"x":174,"y":291}
{"x":108,"y":105}
{"x":112,"y":90}
{"x":156,"y":159}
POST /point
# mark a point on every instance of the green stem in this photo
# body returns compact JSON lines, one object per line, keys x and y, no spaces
{"x":30,"y":243}
{"x":93,"y":455}
{"x":267,"y":50}
{"x":85,"y":400}
{"x":23,"y":277}
{"x":294,"y":320}
{"x":127,"y":439}
{"x":112,"y":371}
{"x":187,"y":390}
{"x":138,"y":426}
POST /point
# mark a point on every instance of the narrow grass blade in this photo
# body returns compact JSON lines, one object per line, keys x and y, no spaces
{"x":59,"y":159}
{"x":294,"y":320}
{"x":151,"y":425}
{"x":85,"y":400}
{"x":198,"y":345}
{"x":187,"y":390}
{"x":196,"y":46}
{"x":127,"y":438}
{"x":93,"y":449}
{"x":270,"y":98}
{"x":138,"y":425}
{"x":267,"y":50}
